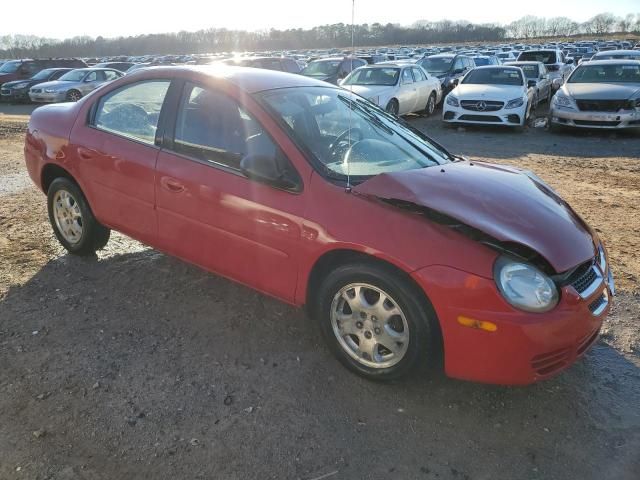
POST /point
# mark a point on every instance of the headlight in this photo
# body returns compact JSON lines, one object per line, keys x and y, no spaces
{"x":18,"y":86}
{"x":524,"y":286}
{"x":453,"y":101}
{"x":515,"y":103}
{"x":375,"y":100}
{"x":562,"y":100}
{"x":50,"y":90}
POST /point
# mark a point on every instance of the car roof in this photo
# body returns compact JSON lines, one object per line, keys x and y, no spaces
{"x":522,"y":62}
{"x":248,"y":79}
{"x":495,"y":67}
{"x":612,"y":61}
{"x":617,"y":52}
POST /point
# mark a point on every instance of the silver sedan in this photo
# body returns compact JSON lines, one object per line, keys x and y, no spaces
{"x":73,"y":85}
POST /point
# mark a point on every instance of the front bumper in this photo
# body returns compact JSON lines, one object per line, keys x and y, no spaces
{"x":525,"y":347}
{"x":512,"y":117}
{"x":43,"y":97}
{"x":13,"y":95}
{"x":607,"y":120}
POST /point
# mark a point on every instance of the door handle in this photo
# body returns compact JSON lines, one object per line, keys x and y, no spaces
{"x":172,"y":185}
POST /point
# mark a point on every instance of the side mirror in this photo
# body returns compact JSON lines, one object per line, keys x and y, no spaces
{"x":532,"y":83}
{"x":557,"y":83}
{"x":265,"y":169}
{"x":458,"y":71}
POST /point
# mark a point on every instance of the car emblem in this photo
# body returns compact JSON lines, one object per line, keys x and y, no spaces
{"x":481,"y":106}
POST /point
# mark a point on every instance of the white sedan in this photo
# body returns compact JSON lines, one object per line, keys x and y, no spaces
{"x":492,"y":95}
{"x":398,"y":88}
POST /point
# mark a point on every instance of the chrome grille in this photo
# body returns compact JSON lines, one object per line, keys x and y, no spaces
{"x":5,"y":91}
{"x":583,"y":282}
{"x":602,"y":105}
{"x":599,"y":304}
{"x":481,"y":105}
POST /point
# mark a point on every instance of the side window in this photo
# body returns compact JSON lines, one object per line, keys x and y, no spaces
{"x":458,"y":65}
{"x":111,"y":75}
{"x":470,"y":63}
{"x":56,"y":75}
{"x":290,"y":66}
{"x":31,"y":68}
{"x":92,"y":77}
{"x":133,"y":110}
{"x":406,"y":76}
{"x":418,"y":75}
{"x":214,"y":128}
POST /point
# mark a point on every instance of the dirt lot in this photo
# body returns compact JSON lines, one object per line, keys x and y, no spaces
{"x":135,"y":365}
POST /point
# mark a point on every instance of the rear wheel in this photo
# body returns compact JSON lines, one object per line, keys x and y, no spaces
{"x":431,"y":105}
{"x":73,"y":95}
{"x":72,"y":220}
{"x":375,"y":322}
{"x":393,"y":107}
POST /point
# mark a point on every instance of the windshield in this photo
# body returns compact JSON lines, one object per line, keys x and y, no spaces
{"x":10,"y":67}
{"x":606,"y":74}
{"x":530,"y":71}
{"x":544,"y":57}
{"x":619,"y":56}
{"x":347,"y":135}
{"x":481,"y":61}
{"x":493,"y":76}
{"x":73,"y":76}
{"x":42,"y":74}
{"x":437,"y":65}
{"x":373,"y":76}
{"x":322,"y":67}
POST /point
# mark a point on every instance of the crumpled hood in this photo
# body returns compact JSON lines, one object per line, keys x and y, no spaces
{"x":602,"y":91}
{"x":508,"y":204}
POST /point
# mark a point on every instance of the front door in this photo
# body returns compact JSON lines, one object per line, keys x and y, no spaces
{"x":209,"y":213}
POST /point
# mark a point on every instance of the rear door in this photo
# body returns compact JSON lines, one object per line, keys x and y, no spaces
{"x":407,"y":95}
{"x":209,"y":213}
{"x":116,"y":152}
{"x":422,"y":88}
{"x":91,"y":81}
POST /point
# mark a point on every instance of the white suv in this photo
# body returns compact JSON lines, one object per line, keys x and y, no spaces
{"x":557,"y":65}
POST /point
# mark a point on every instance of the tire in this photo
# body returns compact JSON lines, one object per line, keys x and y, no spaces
{"x":73,"y":95}
{"x":412,"y":331}
{"x":393,"y":107}
{"x":431,"y":105}
{"x":72,"y":220}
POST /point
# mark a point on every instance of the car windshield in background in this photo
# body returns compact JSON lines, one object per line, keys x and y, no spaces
{"x":480,"y":62}
{"x":606,"y":74}
{"x":373,"y":76}
{"x":348,"y":135}
{"x":42,"y":74}
{"x":10,"y":67}
{"x":322,"y":68}
{"x":530,"y":71}
{"x":619,"y":56}
{"x":437,"y":65}
{"x":73,"y":76}
{"x":544,"y":57}
{"x":493,"y":76}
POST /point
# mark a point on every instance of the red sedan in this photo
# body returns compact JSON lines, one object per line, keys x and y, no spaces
{"x":403,"y":252}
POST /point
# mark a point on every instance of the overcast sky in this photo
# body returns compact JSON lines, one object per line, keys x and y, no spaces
{"x":113,"y":18}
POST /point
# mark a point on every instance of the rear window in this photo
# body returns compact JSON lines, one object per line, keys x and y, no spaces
{"x":544,"y":57}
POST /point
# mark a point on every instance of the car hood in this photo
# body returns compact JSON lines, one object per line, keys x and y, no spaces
{"x":16,"y":82}
{"x":58,"y":85}
{"x":368,"y":91}
{"x":475,"y":92}
{"x":602,"y":91}
{"x":509,"y":205}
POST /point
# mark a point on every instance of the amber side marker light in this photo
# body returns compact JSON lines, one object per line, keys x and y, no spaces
{"x":479,"y":324}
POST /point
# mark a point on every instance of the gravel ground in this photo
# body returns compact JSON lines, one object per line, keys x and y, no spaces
{"x":135,"y":365}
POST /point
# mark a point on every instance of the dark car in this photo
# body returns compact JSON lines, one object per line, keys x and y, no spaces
{"x":332,"y":69}
{"x":18,"y":90}
{"x":371,"y":59}
{"x":448,"y":68}
{"x":26,"y":68}
{"x":281,"y":64}
{"x":121,"y":66}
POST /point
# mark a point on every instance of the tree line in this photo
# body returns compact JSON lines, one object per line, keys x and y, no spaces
{"x":321,"y":37}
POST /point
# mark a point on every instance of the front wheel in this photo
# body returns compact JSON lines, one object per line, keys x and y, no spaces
{"x":393,"y":107}
{"x":72,"y":220}
{"x":73,"y":95}
{"x":375,"y":322}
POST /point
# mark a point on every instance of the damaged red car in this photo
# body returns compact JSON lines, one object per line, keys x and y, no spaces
{"x":406,"y":255}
